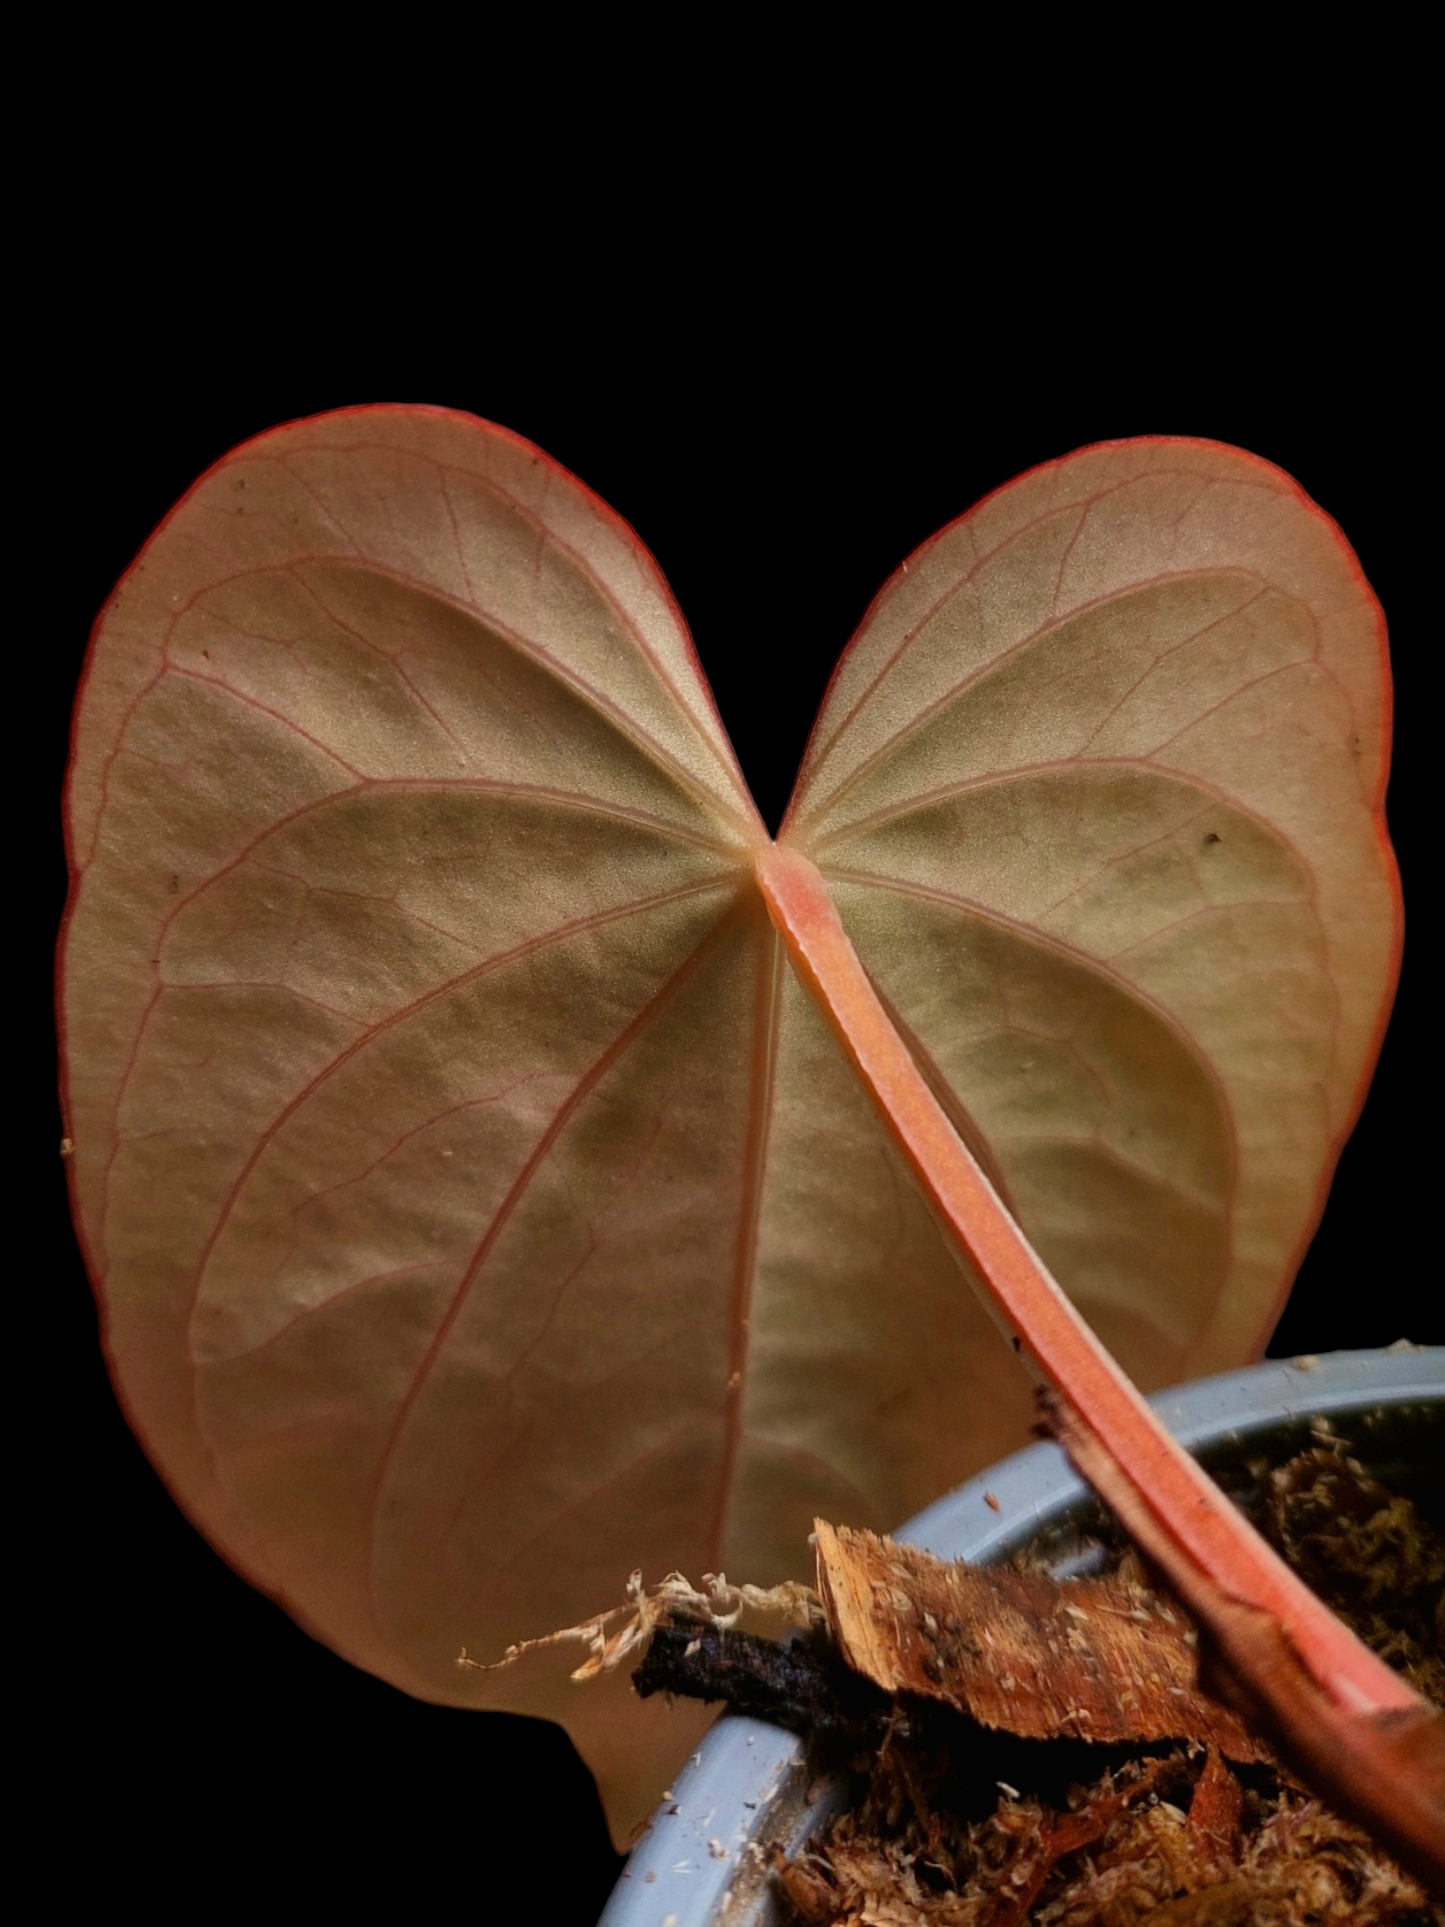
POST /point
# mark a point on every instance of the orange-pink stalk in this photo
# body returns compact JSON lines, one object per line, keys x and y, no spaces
{"x":1205,"y":1543}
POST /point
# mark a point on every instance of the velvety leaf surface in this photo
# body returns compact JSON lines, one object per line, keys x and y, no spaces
{"x":479,"y":1205}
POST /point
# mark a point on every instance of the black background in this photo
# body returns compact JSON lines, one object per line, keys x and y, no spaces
{"x":779,"y":469}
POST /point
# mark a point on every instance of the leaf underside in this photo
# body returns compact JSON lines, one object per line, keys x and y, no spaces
{"x":479,"y":1205}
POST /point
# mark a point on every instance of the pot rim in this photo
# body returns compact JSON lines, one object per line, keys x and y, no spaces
{"x":697,"y":1864}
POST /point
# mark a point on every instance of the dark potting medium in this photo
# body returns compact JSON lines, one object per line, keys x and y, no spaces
{"x":700,"y":1864}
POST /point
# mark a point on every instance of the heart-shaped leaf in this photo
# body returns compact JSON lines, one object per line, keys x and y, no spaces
{"x":479,"y":1203}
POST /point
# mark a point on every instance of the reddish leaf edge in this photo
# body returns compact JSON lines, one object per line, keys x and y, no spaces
{"x":1351,"y":1727}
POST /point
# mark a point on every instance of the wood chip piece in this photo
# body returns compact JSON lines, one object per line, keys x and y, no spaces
{"x":1094,"y":1659}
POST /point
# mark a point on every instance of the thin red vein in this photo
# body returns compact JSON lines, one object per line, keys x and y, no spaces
{"x":464,"y":567}
{"x":369,"y":1036}
{"x":248,"y":701}
{"x":251,"y":455}
{"x":444,"y":785}
{"x":1095,"y":966}
{"x":997,"y":663}
{"x":369,"y":786}
{"x":588,"y":1501}
{"x":487,"y":1475}
{"x":585,"y":1085}
{"x":1070,"y":766}
{"x":1165,"y":655}
{"x":628,"y":727}
{"x":640,"y":555}
{"x":814,"y":760}
{"x":107,"y":763}
{"x":363,"y":641}
{"x":1243,"y":689}
{"x":615,"y":526}
{"x":1090,"y":1141}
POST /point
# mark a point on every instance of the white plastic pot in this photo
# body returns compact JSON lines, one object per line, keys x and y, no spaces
{"x":699,"y":1864}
